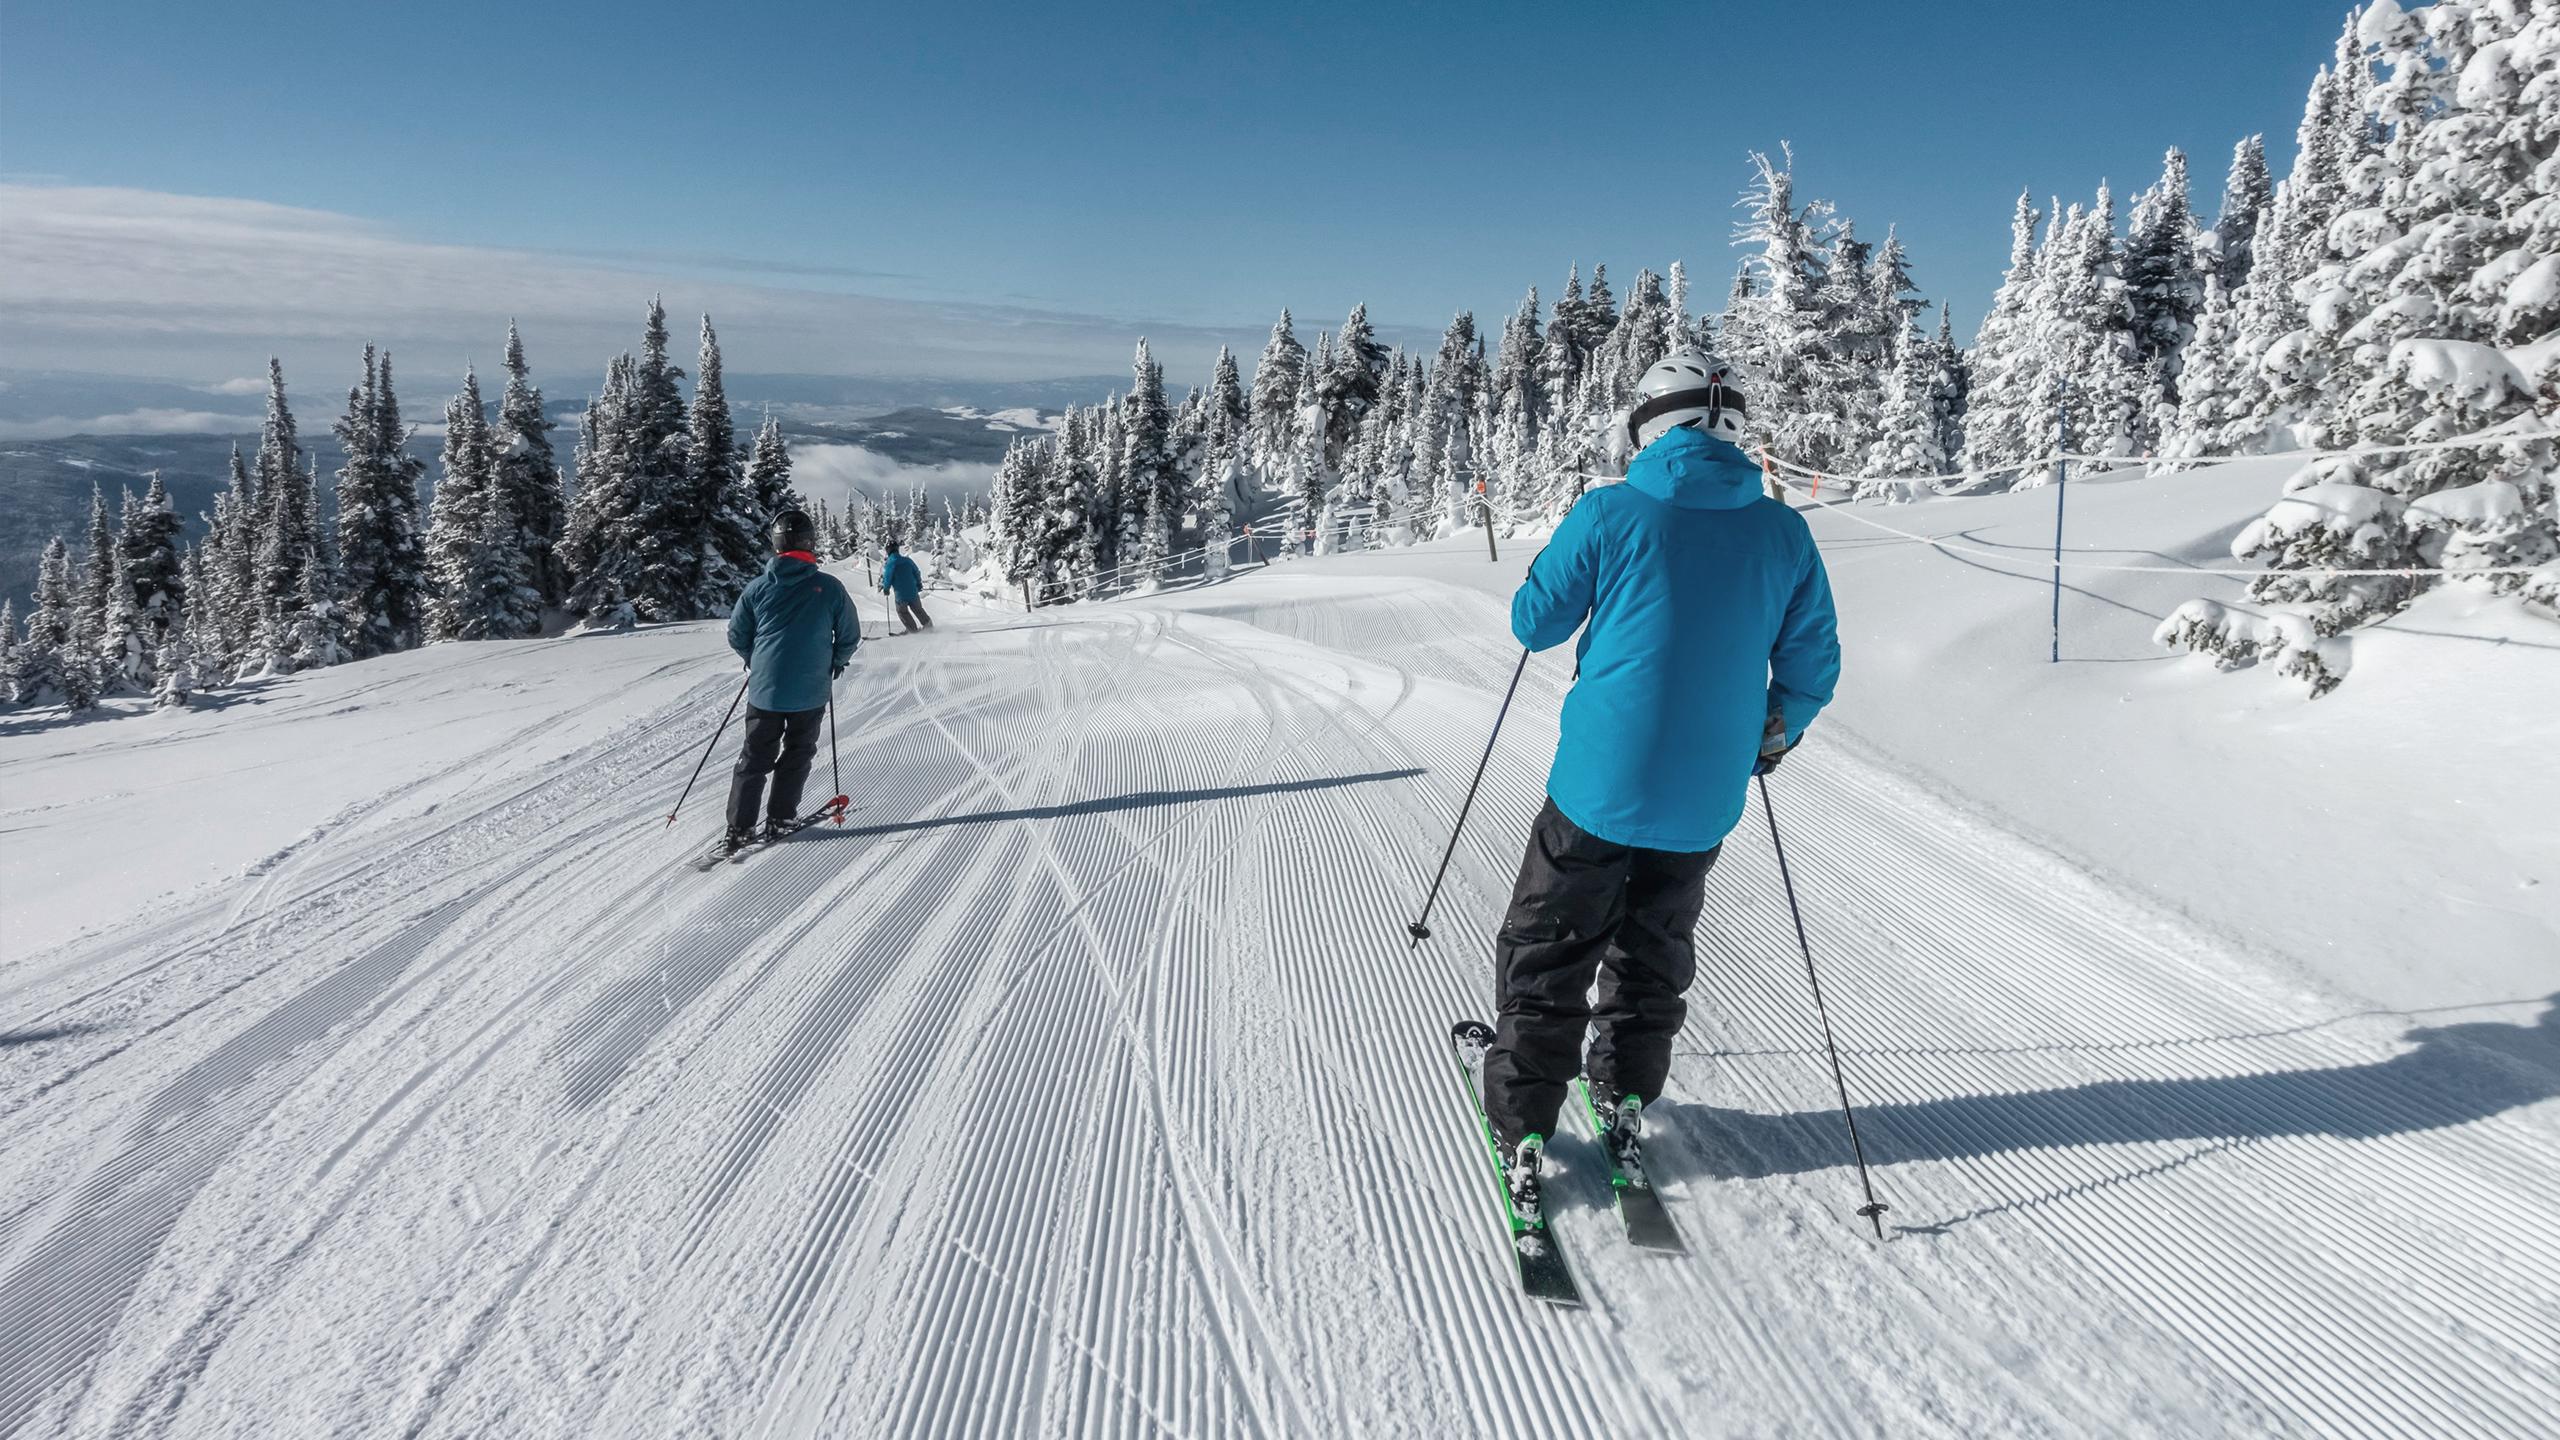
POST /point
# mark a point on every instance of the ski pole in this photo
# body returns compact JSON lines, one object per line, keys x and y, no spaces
{"x":707,"y":749}
{"x":1420,"y":929}
{"x":1874,"y":1209}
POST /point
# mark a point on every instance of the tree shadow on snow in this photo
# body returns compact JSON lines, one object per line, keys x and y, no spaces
{"x":2451,"y":1075}
{"x":1139,"y":800}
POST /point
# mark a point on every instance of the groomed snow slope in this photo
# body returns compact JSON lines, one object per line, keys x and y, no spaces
{"x":1083,"y":1083}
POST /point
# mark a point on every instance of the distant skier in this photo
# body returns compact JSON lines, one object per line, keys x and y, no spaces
{"x":902,"y":581}
{"x":1708,"y":645}
{"x":796,"y":629}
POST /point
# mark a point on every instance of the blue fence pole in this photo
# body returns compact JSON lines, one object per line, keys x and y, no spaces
{"x":2061,"y":484}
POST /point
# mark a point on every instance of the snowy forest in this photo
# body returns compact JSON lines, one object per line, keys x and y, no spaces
{"x":2399,"y":288}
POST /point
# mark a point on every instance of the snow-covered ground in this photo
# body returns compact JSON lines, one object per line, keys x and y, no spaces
{"x":370,"y":1062}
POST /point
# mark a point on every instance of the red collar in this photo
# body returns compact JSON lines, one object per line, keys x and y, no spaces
{"x":799,"y":555}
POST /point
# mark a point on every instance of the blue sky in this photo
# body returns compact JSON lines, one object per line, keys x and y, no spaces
{"x":1158,"y":165}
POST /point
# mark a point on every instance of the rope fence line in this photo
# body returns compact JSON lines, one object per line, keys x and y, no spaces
{"x":1794,"y":478}
{"x":1943,"y":482}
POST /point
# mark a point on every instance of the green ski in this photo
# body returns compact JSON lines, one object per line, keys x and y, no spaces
{"x":1536,"y":1256}
{"x":1640,"y":1207}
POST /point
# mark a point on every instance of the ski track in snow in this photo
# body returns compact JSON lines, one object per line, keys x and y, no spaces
{"x":1083,"y":1083}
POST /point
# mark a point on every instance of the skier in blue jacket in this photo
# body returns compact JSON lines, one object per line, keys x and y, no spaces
{"x":796,"y":629}
{"x":904,"y":583}
{"x":1708,"y":645}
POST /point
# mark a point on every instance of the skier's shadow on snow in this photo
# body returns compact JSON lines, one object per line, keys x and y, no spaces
{"x":1137,"y":800}
{"x":2451,"y":1075}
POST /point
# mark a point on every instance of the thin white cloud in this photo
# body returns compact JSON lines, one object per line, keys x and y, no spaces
{"x":141,"y":282}
{"x":127,"y":422}
{"x":237,"y":385}
{"x":834,"y":473}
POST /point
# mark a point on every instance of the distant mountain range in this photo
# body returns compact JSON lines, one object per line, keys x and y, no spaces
{"x":60,"y":434}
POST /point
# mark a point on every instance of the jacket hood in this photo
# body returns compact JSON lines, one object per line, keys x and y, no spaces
{"x":1693,"y":471}
{"x":789,"y":567}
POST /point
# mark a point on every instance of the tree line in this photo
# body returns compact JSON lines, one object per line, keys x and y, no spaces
{"x":661,"y":516}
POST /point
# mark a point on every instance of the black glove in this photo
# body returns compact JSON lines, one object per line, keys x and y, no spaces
{"x":835,"y":673}
{"x":1774,"y":745}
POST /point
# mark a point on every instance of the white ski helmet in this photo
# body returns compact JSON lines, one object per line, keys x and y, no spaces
{"x":1686,"y":389}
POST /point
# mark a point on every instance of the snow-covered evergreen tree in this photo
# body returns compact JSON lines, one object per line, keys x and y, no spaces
{"x":286,"y":546}
{"x":2005,"y":425}
{"x":9,"y":651}
{"x":733,"y":549}
{"x":1776,"y":334}
{"x":51,"y":665}
{"x":482,"y":576}
{"x":97,"y":582}
{"x":1151,"y":487}
{"x":2164,"y":290}
{"x":279,"y":448}
{"x":529,"y":474}
{"x":382,"y":561}
{"x":2248,"y":196}
{"x":1276,"y":377}
{"x":153,"y":567}
{"x":1910,"y":436}
{"x":769,"y":472}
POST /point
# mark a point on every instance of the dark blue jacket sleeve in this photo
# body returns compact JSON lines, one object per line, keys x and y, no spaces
{"x":1804,"y":665}
{"x":848,"y":625}
{"x":742,"y":626}
{"x":1563,"y":581}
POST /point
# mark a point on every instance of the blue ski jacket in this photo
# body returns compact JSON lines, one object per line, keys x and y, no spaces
{"x":1707,"y":609}
{"x":900,"y":577}
{"x":795,"y":627}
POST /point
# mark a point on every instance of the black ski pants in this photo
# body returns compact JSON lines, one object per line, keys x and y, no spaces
{"x":780,"y":743}
{"x":1587,"y":909}
{"x":911,"y":613}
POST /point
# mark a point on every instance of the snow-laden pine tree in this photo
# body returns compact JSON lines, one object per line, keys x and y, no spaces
{"x":153,"y":567}
{"x":1347,"y":384}
{"x":1776,"y":334}
{"x":666,"y":519}
{"x":1679,"y":327}
{"x":1016,"y":502}
{"x":1310,"y":475}
{"x":279,"y":447}
{"x":1596,"y":318}
{"x":382,"y":561}
{"x":1562,"y":355}
{"x":51,"y":664}
{"x":2164,"y":290}
{"x":1151,"y":487}
{"x":481,"y":576}
{"x":286,"y":546}
{"x":1069,"y":538}
{"x":1520,"y":371}
{"x":123,"y":646}
{"x":529,"y":474}
{"x":733,"y":548}
{"x":2006,"y":425}
{"x":2085,"y":331}
{"x":1910,"y":437}
{"x":96,"y":584}
{"x":9,"y":651}
{"x":600,"y":545}
{"x":231,"y":569}
{"x":769,"y":472}
{"x":1276,"y":377}
{"x":2248,"y":197}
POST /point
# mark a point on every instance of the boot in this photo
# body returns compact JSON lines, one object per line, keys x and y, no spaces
{"x":1520,"y":1178}
{"x":1620,"y":1119}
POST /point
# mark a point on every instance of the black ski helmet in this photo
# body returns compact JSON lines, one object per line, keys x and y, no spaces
{"x":793,"y":530}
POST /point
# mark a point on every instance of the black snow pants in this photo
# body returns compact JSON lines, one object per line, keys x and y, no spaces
{"x":1585,"y":908}
{"x":780,"y":743}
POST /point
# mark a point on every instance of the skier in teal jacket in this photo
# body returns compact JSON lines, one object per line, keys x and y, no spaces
{"x":1708,"y":645}
{"x":796,"y":629}
{"x":903,"y":582}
